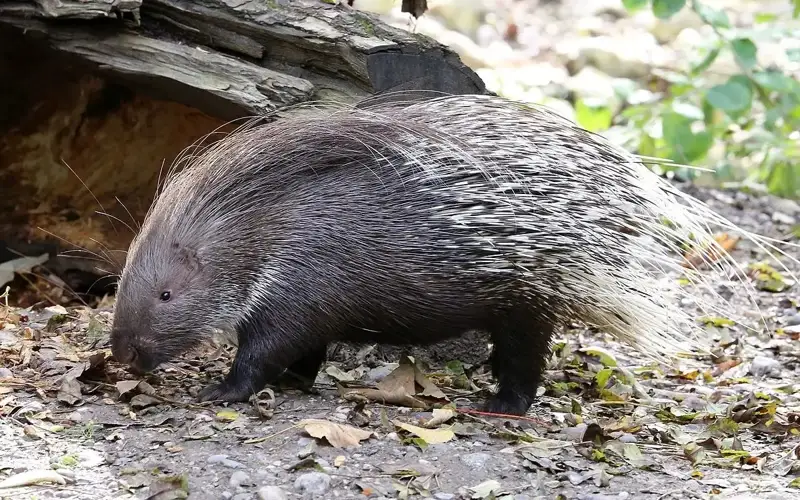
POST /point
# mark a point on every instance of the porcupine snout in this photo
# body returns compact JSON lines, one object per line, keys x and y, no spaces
{"x":127,"y":350}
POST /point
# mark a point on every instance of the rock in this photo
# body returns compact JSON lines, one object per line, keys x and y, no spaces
{"x":762,"y":366}
{"x":694,"y":403}
{"x":379,"y":372}
{"x":5,"y":373}
{"x":444,"y":496}
{"x":667,"y":30}
{"x":782,"y":218}
{"x":591,"y":83}
{"x":90,"y":459}
{"x":314,"y":483}
{"x":793,"y":320}
{"x":786,"y":206}
{"x":240,"y":478}
{"x":271,"y":493}
{"x":214,"y":459}
{"x":475,"y":460}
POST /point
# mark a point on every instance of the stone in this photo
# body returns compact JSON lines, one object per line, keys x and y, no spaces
{"x":314,"y":483}
{"x":240,"y":478}
{"x":475,"y":460}
{"x":271,"y":493}
{"x":763,"y":366}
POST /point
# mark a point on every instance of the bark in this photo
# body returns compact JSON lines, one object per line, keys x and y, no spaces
{"x":234,"y":57}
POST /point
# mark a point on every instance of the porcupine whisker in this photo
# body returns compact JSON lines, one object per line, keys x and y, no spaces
{"x":63,"y":287}
{"x":79,"y":248}
{"x":87,"y":189}
{"x":133,"y":219}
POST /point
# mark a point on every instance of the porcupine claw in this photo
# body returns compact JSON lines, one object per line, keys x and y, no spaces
{"x":224,"y":392}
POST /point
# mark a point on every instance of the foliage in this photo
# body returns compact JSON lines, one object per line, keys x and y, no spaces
{"x":745,"y":124}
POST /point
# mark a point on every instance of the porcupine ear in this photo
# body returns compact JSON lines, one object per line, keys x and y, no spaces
{"x":188,"y":256}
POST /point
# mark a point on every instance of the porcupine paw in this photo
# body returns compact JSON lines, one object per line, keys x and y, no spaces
{"x":224,"y":392}
{"x":508,"y":403}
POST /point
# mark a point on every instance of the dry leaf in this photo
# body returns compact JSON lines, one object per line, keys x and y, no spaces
{"x":430,"y":436}
{"x":70,"y":391}
{"x":440,"y":416}
{"x":338,"y":435}
{"x":126,"y":386}
{"x":227,"y":415}
{"x":696,"y":257}
{"x":405,"y":379}
{"x":35,"y":476}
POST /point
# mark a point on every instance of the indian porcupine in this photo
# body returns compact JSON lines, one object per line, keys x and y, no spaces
{"x":407,"y":222}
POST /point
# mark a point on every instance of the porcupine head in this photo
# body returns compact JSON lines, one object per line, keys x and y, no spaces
{"x":170,"y":296}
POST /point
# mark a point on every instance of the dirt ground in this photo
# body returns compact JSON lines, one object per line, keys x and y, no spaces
{"x":608,"y":424}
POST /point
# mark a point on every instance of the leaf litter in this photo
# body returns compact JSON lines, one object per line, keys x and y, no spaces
{"x":606,"y":420}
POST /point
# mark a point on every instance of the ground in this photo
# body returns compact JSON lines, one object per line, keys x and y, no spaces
{"x":608,"y":425}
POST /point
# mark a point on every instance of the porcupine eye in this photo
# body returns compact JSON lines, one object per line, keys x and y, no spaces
{"x":165,"y":296}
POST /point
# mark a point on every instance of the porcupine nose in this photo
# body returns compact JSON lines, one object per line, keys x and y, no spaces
{"x":124,"y":351}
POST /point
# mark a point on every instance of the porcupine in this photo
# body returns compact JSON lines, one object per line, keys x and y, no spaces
{"x":406,"y":222}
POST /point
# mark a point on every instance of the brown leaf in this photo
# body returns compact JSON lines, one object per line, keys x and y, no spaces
{"x":407,"y":377}
{"x":70,"y":391}
{"x":697,"y":257}
{"x":338,"y":435}
{"x":126,"y":386}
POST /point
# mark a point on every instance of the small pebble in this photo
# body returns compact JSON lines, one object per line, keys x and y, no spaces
{"x":314,"y":483}
{"x":444,"y":496}
{"x":213,"y":459}
{"x":627,"y":438}
{"x":5,"y":373}
{"x":782,"y":218}
{"x":763,"y":366}
{"x":90,"y":459}
{"x":239,"y":478}
{"x":226,"y":495}
{"x":694,"y":403}
{"x":271,"y":493}
{"x":475,"y":460}
{"x":232,"y":464}
{"x":793,"y":320}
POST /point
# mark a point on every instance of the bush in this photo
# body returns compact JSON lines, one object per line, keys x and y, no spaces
{"x":749,"y":121}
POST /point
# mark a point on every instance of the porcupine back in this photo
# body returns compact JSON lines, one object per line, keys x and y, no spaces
{"x":512,"y":197}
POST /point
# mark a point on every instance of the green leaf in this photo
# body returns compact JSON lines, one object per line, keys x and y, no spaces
{"x":730,"y":97}
{"x":712,"y":16}
{"x":592,"y":116}
{"x":664,"y":9}
{"x":765,"y":17}
{"x":783,"y":180}
{"x":707,"y":61}
{"x":688,"y":110}
{"x":685,"y":145}
{"x":633,"y":5}
{"x":745,"y":51}
{"x":774,"y":80}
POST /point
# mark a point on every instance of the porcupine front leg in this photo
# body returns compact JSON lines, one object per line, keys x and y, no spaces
{"x":264,"y":353}
{"x":521,"y":349}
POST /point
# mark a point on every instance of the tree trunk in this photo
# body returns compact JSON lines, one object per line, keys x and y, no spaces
{"x":97,"y":95}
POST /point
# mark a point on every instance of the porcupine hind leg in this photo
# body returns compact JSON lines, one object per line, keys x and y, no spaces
{"x":303,"y":372}
{"x":521,"y":348}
